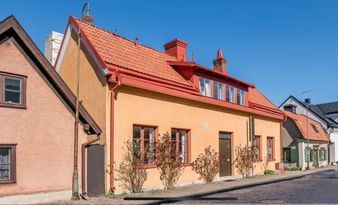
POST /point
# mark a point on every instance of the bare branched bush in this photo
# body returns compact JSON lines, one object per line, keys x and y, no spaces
{"x":264,"y":164}
{"x":207,"y":164}
{"x":167,"y":161}
{"x":244,"y":160}
{"x":130,"y":171}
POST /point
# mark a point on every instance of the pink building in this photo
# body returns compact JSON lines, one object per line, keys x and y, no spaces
{"x":37,"y":119}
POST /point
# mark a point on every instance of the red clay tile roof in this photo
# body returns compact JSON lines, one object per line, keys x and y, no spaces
{"x":255,"y":96}
{"x":119,"y":51}
{"x":316,"y":132}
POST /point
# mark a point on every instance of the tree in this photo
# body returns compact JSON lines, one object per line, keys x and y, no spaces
{"x":130,"y":171}
{"x":207,"y":164}
{"x":167,"y":161}
{"x":244,"y":160}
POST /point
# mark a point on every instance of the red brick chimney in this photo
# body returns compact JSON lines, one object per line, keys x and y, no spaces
{"x":220,"y":62}
{"x":177,"y":48}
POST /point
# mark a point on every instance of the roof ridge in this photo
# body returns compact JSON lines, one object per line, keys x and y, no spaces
{"x":122,"y":37}
{"x":334,"y":102}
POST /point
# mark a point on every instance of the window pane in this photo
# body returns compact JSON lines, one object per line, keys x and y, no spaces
{"x":183,"y":146}
{"x":240,"y":97}
{"x":136,"y":133}
{"x":207,"y":88}
{"x":12,"y":96}
{"x":149,"y":145}
{"x":5,"y":172}
{"x":230,"y":94}
{"x":5,"y":163}
{"x":202,"y":86}
{"x":12,"y":84}
{"x":218,"y":90}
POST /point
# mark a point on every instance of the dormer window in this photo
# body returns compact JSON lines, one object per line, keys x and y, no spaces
{"x":218,"y":90}
{"x":240,"y":97}
{"x":230,"y":94}
{"x":205,"y":87}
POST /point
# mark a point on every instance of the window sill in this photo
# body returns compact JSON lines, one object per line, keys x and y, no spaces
{"x":7,"y":182}
{"x":258,"y":160}
{"x":271,"y":160}
{"x":13,"y":106}
{"x":152,"y":166}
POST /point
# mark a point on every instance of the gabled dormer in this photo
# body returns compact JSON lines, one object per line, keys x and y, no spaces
{"x":212,"y":83}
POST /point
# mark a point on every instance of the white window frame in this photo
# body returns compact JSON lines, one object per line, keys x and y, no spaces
{"x":241,"y":95}
{"x":218,"y":90}
{"x":230,"y":90}
{"x":206,"y":89}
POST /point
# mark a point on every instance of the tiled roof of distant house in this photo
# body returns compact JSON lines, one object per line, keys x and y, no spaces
{"x":316,"y":132}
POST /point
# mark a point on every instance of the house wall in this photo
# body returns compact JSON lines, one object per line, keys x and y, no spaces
{"x":334,"y":146}
{"x":301,"y":153}
{"x":136,"y":106}
{"x":93,"y":89}
{"x":43,"y":132}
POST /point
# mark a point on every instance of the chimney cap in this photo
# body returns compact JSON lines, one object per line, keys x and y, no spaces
{"x":219,"y":54}
{"x":175,"y":42}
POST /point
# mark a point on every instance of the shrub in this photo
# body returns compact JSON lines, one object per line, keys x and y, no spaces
{"x":244,"y":160}
{"x":264,"y":164}
{"x":130,"y":171}
{"x":268,"y":172}
{"x":167,"y":162}
{"x":207,"y":164}
{"x":294,"y":168}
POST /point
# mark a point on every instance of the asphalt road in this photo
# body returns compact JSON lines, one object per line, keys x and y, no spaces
{"x":320,"y":187}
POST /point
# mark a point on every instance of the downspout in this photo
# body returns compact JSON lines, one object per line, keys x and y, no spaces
{"x":83,"y":167}
{"x":113,"y":95}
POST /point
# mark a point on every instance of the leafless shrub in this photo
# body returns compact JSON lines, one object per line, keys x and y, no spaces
{"x":167,"y":162}
{"x":130,"y":171}
{"x":265,"y":163}
{"x":244,"y":160}
{"x":207,"y":164}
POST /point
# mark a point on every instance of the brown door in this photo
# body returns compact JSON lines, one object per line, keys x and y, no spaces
{"x":225,"y":154}
{"x":95,"y":170}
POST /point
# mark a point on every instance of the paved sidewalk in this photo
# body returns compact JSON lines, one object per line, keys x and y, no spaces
{"x":198,"y":190}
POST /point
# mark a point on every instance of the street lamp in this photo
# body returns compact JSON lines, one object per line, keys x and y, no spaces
{"x":75,"y":179}
{"x":307,"y":103}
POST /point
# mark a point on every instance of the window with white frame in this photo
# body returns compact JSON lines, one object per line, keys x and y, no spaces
{"x":230,"y":94}
{"x":218,"y":90}
{"x":240,"y":97}
{"x":205,"y":88}
{"x":179,"y":139}
{"x":144,"y":136}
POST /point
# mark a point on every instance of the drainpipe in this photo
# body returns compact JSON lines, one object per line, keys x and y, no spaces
{"x":113,"y":95}
{"x":83,"y":167}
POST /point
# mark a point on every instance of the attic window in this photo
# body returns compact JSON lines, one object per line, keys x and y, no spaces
{"x":12,"y":90}
{"x":315,"y":128}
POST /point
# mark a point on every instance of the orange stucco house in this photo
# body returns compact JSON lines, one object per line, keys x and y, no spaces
{"x":134,"y":91}
{"x":37,"y":121}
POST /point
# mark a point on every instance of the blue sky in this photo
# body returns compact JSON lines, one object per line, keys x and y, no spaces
{"x":282,"y":46}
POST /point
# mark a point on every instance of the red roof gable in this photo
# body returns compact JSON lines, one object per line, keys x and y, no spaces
{"x":316,"y":132}
{"x":119,"y":51}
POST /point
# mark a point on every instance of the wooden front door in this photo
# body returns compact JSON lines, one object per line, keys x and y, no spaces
{"x":95,"y":170}
{"x":315,"y":156}
{"x":224,"y":154}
